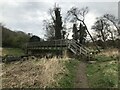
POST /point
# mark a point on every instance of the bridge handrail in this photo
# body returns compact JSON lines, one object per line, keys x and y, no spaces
{"x":48,"y":43}
{"x":74,"y":41}
{"x":77,"y":47}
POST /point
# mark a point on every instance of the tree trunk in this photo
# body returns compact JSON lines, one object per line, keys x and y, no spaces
{"x":87,"y":32}
{"x":91,"y":37}
{"x":103,"y":37}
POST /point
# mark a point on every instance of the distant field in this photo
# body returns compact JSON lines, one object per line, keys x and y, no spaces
{"x":12,"y":51}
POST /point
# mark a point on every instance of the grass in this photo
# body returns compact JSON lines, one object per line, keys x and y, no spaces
{"x":59,"y":72}
{"x":103,"y":73}
{"x":67,"y":80}
{"x":12,"y":51}
{"x":103,"y":58}
{"x":39,"y":73}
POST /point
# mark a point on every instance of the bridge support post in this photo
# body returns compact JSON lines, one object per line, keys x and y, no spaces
{"x":65,"y":53}
{"x":80,"y":50}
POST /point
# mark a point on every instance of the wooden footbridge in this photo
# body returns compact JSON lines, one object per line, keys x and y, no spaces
{"x":62,"y":44}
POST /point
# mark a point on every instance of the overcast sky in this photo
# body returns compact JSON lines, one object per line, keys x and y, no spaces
{"x":28,"y":15}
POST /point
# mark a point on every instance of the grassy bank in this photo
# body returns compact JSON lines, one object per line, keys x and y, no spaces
{"x":12,"y":51}
{"x":104,"y":72}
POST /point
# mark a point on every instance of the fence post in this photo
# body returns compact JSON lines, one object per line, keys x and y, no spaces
{"x":80,"y":50}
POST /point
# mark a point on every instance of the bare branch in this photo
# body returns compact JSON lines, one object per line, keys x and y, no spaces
{"x":51,"y":14}
{"x":113,"y":20}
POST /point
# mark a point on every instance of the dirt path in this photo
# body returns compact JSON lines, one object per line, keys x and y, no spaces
{"x":81,"y":78}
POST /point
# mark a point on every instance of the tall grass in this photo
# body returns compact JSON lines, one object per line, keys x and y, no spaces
{"x":37,"y":73}
{"x":67,"y":81}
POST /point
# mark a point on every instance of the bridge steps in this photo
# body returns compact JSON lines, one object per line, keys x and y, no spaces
{"x":78,"y":49}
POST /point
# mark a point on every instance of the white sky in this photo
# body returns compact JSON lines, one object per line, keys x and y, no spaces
{"x":28,"y":15}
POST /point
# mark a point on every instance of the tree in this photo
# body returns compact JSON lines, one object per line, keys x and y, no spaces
{"x":58,"y":23}
{"x":79,"y":15}
{"x":50,"y":30}
{"x":63,"y":34}
{"x":54,"y":26}
{"x":101,"y":28}
{"x":114,"y":21}
{"x":82,"y":34}
{"x":13,"y":38}
{"x":75,"y":34}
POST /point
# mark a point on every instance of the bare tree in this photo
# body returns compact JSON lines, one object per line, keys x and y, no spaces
{"x":79,"y":15}
{"x":49,"y":28}
{"x":114,"y":21}
{"x":101,"y":27}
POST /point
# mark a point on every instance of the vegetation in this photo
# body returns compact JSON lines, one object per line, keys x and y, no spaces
{"x":54,"y":27}
{"x":103,"y":75}
{"x":104,"y":72}
{"x":105,"y":34}
{"x":58,"y":23}
{"x":119,"y":73}
{"x":103,"y":58}
{"x":79,"y":34}
{"x":61,"y":72}
{"x":40,"y":73}
{"x":68,"y":79}
{"x":75,"y":34}
{"x":111,"y":18}
{"x":12,"y":51}
{"x":16,"y":39}
{"x":77,"y":14}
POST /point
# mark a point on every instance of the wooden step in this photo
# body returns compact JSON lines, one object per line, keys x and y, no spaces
{"x":78,"y":49}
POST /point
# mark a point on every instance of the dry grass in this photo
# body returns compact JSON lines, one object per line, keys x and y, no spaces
{"x":0,"y":51}
{"x":40,"y":73}
{"x":110,"y":52}
{"x":0,"y":75}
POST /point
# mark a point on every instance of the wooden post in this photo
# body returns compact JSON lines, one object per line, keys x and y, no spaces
{"x":80,"y":50}
{"x":64,"y":52}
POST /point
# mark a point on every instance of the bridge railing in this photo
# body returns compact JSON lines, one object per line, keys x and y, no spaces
{"x":78,"y":44}
{"x":53,"y":43}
